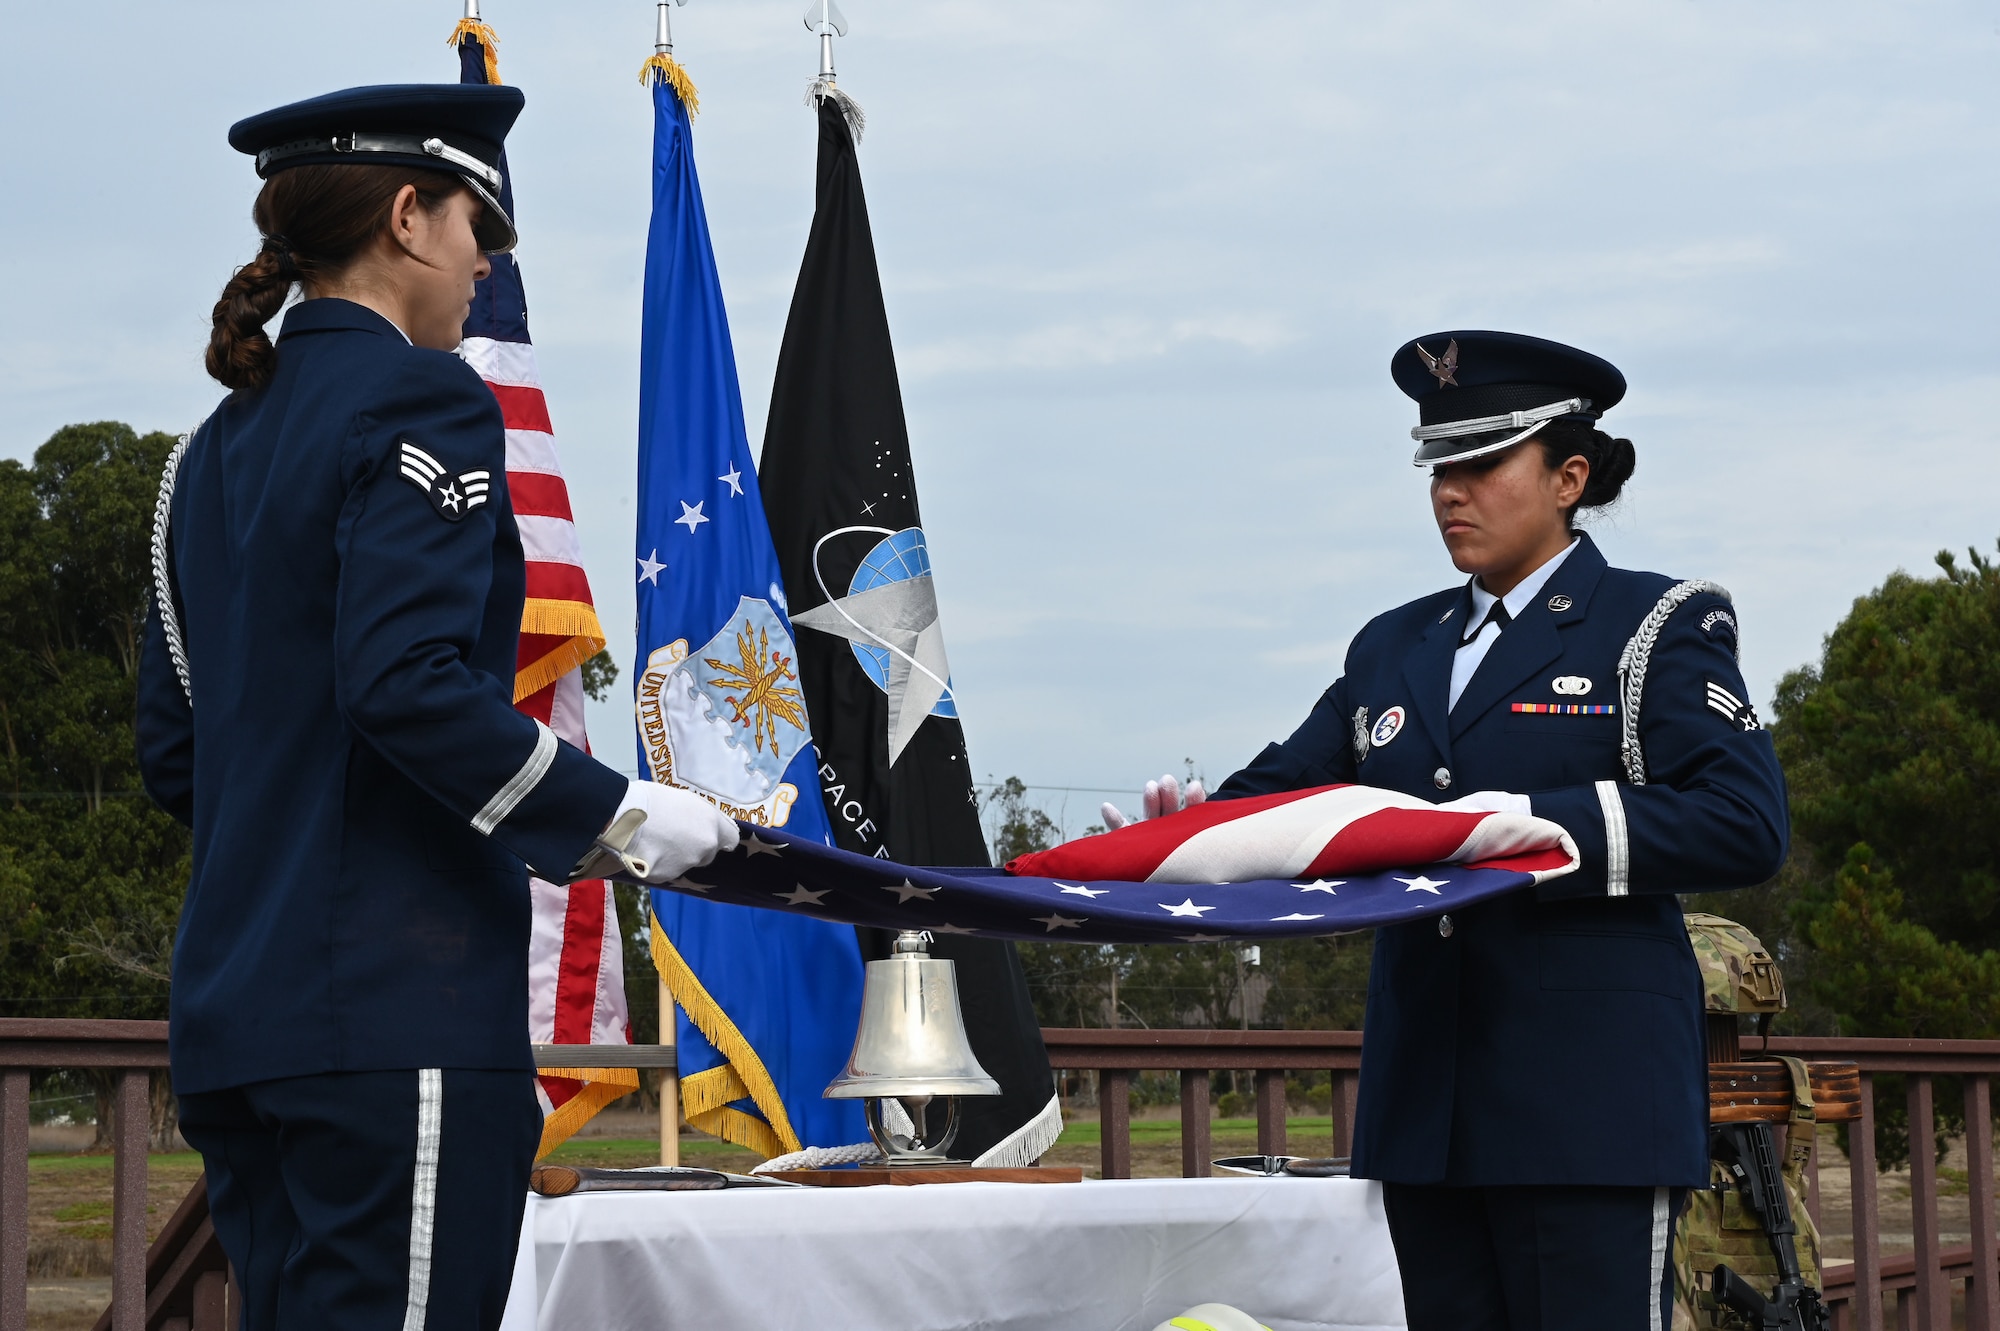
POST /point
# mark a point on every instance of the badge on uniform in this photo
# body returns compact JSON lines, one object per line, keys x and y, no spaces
{"x":451,"y":496}
{"x":1739,"y":713}
{"x":1390,"y":726}
{"x":1360,"y":733}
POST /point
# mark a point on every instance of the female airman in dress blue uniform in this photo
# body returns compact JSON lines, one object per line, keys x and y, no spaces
{"x":1533,"y":1090}
{"x":326,"y":700}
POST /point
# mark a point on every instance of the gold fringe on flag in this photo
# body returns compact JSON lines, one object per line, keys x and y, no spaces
{"x":674,"y":76}
{"x":585,"y":635}
{"x":706,"y":1095}
{"x":472,"y":30}
{"x":600,"y":1087}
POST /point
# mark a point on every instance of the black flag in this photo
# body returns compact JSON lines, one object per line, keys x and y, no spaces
{"x":842,"y":504}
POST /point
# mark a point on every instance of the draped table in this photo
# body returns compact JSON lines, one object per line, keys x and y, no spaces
{"x":1125,"y":1255}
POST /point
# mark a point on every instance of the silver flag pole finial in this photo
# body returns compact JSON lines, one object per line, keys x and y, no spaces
{"x":663,"y":38}
{"x":825,"y":19}
{"x":472,"y":10}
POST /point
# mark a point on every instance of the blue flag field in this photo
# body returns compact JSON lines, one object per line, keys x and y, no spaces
{"x":768,"y":1004}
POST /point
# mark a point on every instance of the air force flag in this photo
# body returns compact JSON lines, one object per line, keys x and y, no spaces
{"x":768,"y":1004}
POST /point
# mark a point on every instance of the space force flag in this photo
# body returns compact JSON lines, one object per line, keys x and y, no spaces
{"x":842,"y":500}
{"x":767,"y":1005}
{"x":576,"y":968}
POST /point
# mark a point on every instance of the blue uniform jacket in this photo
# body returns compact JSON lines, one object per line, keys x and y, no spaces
{"x":1554,"y":1036}
{"x":364,"y":796}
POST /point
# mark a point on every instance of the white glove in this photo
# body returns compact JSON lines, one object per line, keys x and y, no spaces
{"x":659,"y":833}
{"x":1491,"y":801}
{"x":1159,"y":799}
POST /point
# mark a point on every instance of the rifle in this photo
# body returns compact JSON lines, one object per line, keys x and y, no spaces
{"x":1747,"y":1151}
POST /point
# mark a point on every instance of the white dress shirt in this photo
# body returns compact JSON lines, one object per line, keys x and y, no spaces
{"x":1473,"y":650}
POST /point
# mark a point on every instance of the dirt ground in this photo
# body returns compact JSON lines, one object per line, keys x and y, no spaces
{"x":69,"y":1195}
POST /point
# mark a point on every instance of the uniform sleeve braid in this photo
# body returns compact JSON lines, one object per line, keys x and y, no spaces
{"x":1638,"y":654}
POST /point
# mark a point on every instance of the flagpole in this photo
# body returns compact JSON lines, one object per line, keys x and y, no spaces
{"x":824,"y":17}
{"x":670,"y":1079}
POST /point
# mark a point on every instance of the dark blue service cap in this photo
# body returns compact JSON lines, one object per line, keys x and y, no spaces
{"x":454,"y":127}
{"x":1478,"y":392}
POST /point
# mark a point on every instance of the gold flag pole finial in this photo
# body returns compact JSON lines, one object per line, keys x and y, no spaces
{"x":470,"y":29}
{"x":664,"y":66}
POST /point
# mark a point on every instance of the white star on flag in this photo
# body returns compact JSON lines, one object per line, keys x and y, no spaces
{"x":1322,"y":885}
{"x":650,"y":568}
{"x":691,"y":515}
{"x":755,"y":845}
{"x":1423,"y":884}
{"x":734,"y":479}
{"x":951,"y":929}
{"x":908,"y":890}
{"x":801,"y":896}
{"x":1056,"y":921}
{"x":1285,"y":919}
{"x":1081,"y":891}
{"x":1186,"y":908}
{"x":691,"y":885}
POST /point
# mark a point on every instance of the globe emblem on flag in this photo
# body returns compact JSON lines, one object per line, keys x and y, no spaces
{"x":890,"y":618}
{"x":897,"y":558}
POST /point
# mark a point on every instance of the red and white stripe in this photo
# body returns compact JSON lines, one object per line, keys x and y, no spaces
{"x":576,"y":966}
{"x":1329,"y":830}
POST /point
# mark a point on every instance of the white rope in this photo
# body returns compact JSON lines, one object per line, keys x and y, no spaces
{"x":823,"y":1157}
{"x":1638,"y":654}
{"x":163,"y":587}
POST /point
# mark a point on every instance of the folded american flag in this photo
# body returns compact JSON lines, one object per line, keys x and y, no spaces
{"x":1323,"y":861}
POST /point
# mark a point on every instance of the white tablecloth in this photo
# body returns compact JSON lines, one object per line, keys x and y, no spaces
{"x":1298,"y":1254}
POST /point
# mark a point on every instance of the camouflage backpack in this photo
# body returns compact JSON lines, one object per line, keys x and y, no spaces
{"x":1716,"y":1228}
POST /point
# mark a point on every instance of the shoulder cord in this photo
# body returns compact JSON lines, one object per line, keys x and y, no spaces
{"x":1632,"y":665}
{"x":163,"y":586}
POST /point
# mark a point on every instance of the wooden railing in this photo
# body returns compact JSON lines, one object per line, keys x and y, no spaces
{"x":1922,"y":1283}
{"x":133,"y":1050}
{"x":182,"y":1283}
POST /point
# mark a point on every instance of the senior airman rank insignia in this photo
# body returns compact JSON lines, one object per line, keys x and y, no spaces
{"x":1737,"y":712}
{"x":451,"y":496}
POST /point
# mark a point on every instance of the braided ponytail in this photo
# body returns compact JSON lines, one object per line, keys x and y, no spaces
{"x":240,"y":353}
{"x":315,"y":220}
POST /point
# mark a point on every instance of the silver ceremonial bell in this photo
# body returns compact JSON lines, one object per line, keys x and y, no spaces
{"x":911,"y":1060}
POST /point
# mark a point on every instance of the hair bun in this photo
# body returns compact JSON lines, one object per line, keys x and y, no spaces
{"x":1611,"y":465}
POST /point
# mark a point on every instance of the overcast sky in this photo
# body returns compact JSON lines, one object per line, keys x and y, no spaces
{"x":1145,"y":265}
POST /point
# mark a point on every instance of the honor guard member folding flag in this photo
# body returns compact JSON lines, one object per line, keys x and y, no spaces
{"x":1582,"y":694}
{"x":326,"y":696}
{"x":576,"y":959}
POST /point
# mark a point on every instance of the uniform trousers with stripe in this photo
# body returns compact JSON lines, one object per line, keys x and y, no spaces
{"x":1534,"y":1258}
{"x":369,"y":1201}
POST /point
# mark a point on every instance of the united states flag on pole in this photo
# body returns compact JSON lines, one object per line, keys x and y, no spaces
{"x":576,"y":971}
